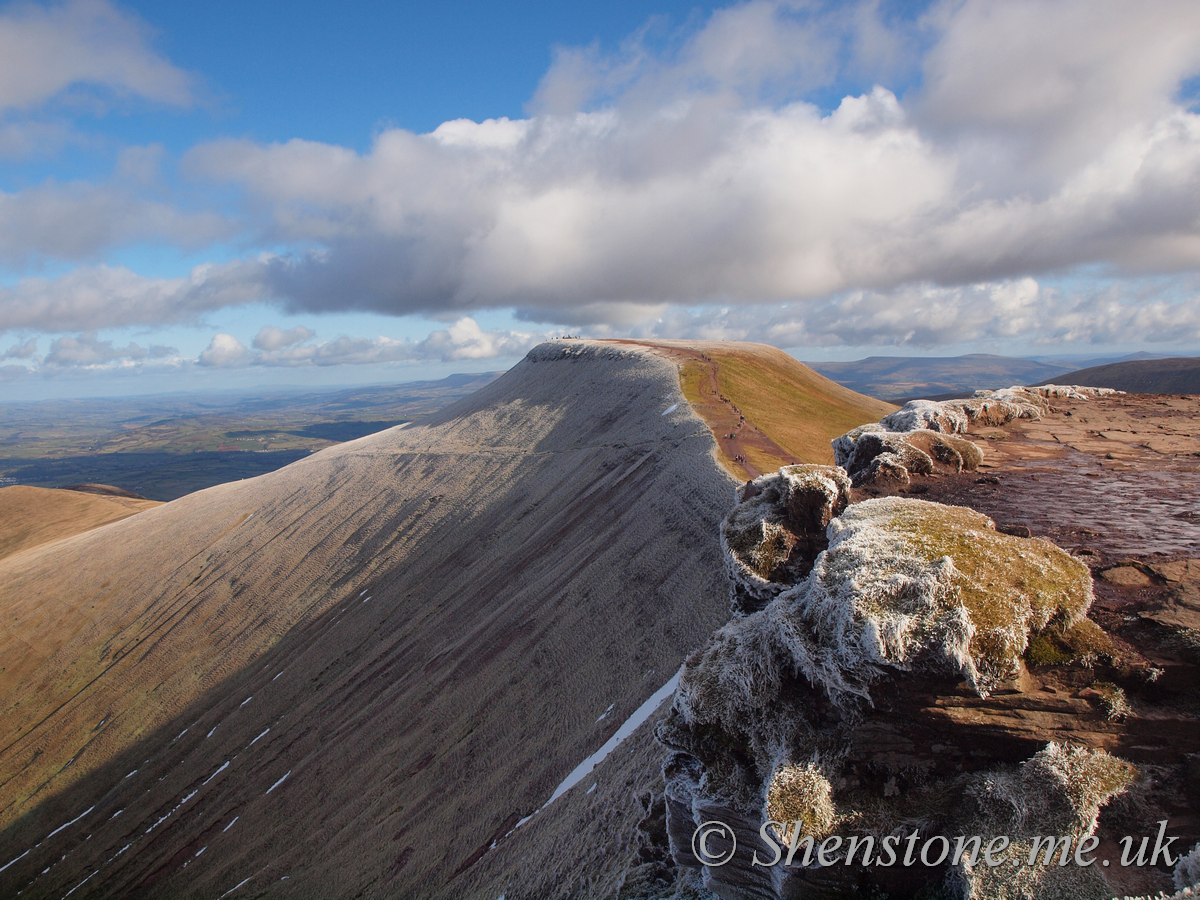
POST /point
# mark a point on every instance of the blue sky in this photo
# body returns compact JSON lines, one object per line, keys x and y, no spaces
{"x":238,"y":195}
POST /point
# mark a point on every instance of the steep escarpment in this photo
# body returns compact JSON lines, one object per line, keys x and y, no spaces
{"x":356,"y":675}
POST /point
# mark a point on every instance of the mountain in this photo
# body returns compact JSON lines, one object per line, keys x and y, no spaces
{"x":1176,"y":375}
{"x":370,"y":672}
{"x":899,"y":377}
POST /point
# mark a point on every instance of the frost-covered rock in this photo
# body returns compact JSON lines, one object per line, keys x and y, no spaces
{"x":1072,"y":391}
{"x":1187,"y":869}
{"x":777,"y":528}
{"x":878,"y":455}
{"x":956,"y":416}
{"x":905,"y":585}
{"x":899,"y":445}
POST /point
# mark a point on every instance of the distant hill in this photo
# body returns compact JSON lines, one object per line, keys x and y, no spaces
{"x":902,"y":377}
{"x":1176,"y":375}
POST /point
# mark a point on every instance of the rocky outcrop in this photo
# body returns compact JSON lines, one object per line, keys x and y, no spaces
{"x":888,"y":455}
{"x":815,"y":707}
{"x":919,"y":439}
{"x":777,"y":528}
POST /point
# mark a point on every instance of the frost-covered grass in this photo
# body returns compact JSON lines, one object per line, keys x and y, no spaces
{"x":1112,"y":700}
{"x":1187,"y":869}
{"x":1009,"y":586}
{"x":801,"y":794}
{"x":906,"y":583}
{"x":760,"y":532}
{"x":1058,"y":791}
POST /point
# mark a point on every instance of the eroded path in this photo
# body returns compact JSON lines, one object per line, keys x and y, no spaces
{"x":765,"y":409}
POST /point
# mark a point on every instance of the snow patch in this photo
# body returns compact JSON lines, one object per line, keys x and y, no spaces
{"x":72,"y":822}
{"x":670,"y":409}
{"x":81,"y":884}
{"x":234,"y":888}
{"x":640,"y":715}
{"x":216,"y":773}
{"x":253,"y":742}
{"x":11,"y":861}
{"x":279,"y":782}
{"x":230,"y":825}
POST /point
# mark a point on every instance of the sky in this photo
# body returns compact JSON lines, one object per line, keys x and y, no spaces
{"x":219,"y":195}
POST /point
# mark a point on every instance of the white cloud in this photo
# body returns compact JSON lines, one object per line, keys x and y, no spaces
{"x":24,"y":350}
{"x":1051,"y":81}
{"x":87,"y":350}
{"x":44,"y":50}
{"x":273,"y":337}
{"x":1039,"y":138}
{"x":225,"y":351}
{"x":79,"y":220}
{"x":105,"y":296}
{"x":462,"y":340}
{"x":926,"y":316}
{"x":687,"y":186}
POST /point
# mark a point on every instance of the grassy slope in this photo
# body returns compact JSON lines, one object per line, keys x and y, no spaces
{"x":30,"y":516}
{"x":797,"y":409}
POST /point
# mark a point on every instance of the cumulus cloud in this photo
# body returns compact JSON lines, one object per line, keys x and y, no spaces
{"x":273,"y":337}
{"x":79,"y":220}
{"x":686,"y":184}
{"x":225,"y":351}
{"x":23,"y":350}
{"x":925,"y":316}
{"x":88,"y":350}
{"x":110,"y":296}
{"x":980,"y":149}
{"x":1052,"y":81}
{"x":462,"y":340}
{"x":44,"y":50}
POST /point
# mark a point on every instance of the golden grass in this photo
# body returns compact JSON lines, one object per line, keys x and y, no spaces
{"x":996,"y":575}
{"x":796,"y":411}
{"x":30,"y":516}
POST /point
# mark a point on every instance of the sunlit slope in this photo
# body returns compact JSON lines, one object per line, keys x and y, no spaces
{"x":360,"y":670}
{"x":30,"y":516}
{"x":792,"y":413}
